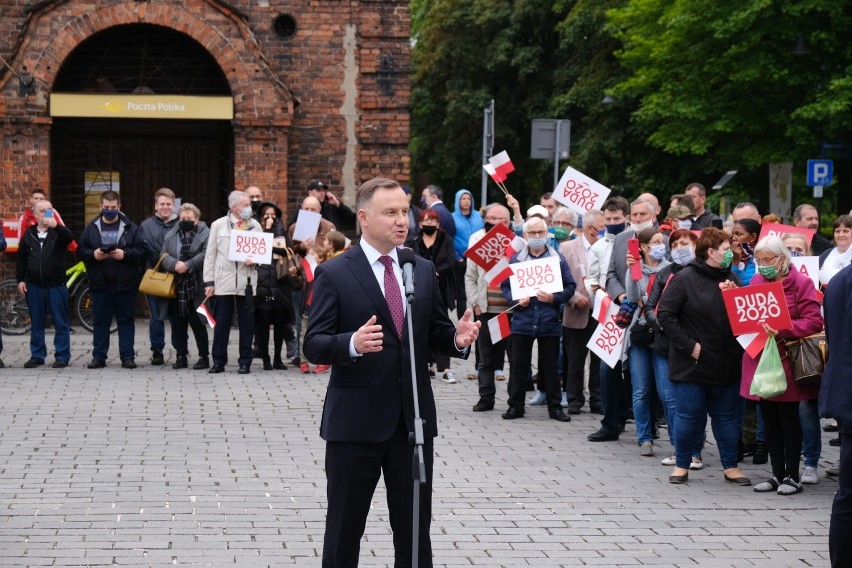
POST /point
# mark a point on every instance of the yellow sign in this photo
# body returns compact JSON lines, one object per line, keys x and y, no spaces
{"x":142,"y":106}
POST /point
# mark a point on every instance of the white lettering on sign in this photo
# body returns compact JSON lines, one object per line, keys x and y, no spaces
{"x":493,"y":249}
{"x":147,"y":107}
{"x":757,"y":307}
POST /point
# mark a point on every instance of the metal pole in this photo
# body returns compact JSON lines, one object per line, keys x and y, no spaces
{"x":556,"y":155}
{"x":487,"y":147}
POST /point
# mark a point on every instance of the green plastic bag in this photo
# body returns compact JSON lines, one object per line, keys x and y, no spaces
{"x":770,"y":380}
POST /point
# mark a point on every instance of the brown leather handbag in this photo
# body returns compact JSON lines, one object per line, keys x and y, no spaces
{"x":807,"y":358}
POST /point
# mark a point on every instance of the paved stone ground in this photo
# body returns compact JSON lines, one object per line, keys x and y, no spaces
{"x":155,"y":467}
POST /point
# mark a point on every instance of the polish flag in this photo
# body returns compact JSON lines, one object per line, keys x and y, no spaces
{"x":309,"y":263}
{"x":517,"y":245}
{"x":489,"y":169}
{"x":202,"y":309}
{"x":753,"y":343}
{"x":498,"y":327}
{"x":602,"y":304}
{"x":502,"y":164}
{"x":498,"y":272}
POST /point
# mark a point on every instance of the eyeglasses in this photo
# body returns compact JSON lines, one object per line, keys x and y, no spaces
{"x":496,"y":220}
{"x":562,"y":224}
{"x":767,"y":261}
{"x":536,"y":233}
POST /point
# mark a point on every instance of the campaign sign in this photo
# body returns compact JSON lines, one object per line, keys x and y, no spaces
{"x":607,"y":342}
{"x":491,"y":248}
{"x":752,"y":306}
{"x":808,"y":266}
{"x":779,"y":230}
{"x":533,"y":275}
{"x":250,"y":244}
{"x":580,"y":192}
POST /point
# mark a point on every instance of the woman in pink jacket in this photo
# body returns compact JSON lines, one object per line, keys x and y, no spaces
{"x":781,"y":413}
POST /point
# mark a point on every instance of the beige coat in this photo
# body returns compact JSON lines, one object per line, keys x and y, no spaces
{"x":574,"y":317}
{"x":229,"y":278}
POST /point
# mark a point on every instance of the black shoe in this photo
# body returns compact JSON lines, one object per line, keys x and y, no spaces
{"x":216,"y":369}
{"x":279,"y":365}
{"x":128,"y":363}
{"x":203,"y":363}
{"x":267,"y":364}
{"x":742,"y":480}
{"x":296,"y":361}
{"x":572,"y":410}
{"x":156,"y":359}
{"x":59,"y":364}
{"x":559,"y":415}
{"x":513,"y":413}
{"x":761,"y":453}
{"x":829,"y":428}
{"x":679,"y":479}
{"x":834,"y":442}
{"x":2,"y":364}
{"x":33,"y":363}
{"x":244,"y":370}
{"x":180,"y":362}
{"x":483,"y":405}
{"x":602,"y":436}
{"x":96,"y":364}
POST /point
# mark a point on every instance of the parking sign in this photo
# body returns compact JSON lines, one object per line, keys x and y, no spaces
{"x":820,"y":172}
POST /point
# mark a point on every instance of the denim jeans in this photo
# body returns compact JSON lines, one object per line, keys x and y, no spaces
{"x":665,"y":390}
{"x":157,"y":325}
{"x":811,"y":432}
{"x":643,"y":373}
{"x":696,"y":400}
{"x":106,"y":304}
{"x":39,"y":302}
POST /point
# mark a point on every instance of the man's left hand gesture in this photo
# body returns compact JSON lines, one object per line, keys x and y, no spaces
{"x":467,"y":330}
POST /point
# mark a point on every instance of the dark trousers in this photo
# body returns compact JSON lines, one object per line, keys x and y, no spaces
{"x":490,"y":355}
{"x":459,"y":269}
{"x":280,"y":320}
{"x":783,"y":430}
{"x":840,"y":530}
{"x":548,"y":352}
{"x":223,"y":313}
{"x":106,"y":304}
{"x":612,"y":392}
{"x":180,"y":335}
{"x":574,"y":347}
{"x":353,"y":471}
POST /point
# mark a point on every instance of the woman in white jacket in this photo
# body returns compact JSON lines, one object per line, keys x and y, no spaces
{"x":231,"y":282}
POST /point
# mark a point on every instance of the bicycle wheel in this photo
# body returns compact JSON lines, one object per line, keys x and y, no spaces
{"x":14,"y":313}
{"x":83,"y":308}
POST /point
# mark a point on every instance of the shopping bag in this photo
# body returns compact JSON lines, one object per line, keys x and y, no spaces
{"x":770,"y":380}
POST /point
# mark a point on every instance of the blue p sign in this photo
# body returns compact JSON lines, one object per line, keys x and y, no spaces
{"x":820,"y":172}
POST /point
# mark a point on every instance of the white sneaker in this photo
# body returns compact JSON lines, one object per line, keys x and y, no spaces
{"x":810,"y":476}
{"x":564,"y":400}
{"x":696,"y":464}
{"x":449,"y":378}
{"x":671,"y":460}
{"x":538,"y":399}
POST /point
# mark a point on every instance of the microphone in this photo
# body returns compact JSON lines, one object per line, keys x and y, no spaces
{"x":406,"y":261}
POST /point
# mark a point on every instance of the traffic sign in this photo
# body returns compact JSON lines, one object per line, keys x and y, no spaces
{"x":820,"y":172}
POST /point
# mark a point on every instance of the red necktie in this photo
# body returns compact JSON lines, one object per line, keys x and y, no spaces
{"x":392,"y":295}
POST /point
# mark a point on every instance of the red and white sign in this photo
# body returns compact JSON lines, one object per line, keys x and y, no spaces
{"x":11,"y":228}
{"x":502,"y":164}
{"x":254,"y":245}
{"x":602,"y":304}
{"x":607,"y":342}
{"x":808,"y":266}
{"x":752,"y":306}
{"x":491,"y":252}
{"x":499,"y":328}
{"x":580,"y":192}
{"x":779,"y":230}
{"x":531,"y":276}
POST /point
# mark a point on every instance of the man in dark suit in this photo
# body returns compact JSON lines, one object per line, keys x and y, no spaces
{"x":432,"y":196}
{"x":356,"y":326}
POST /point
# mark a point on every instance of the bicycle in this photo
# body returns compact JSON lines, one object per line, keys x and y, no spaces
{"x":15,"y":315}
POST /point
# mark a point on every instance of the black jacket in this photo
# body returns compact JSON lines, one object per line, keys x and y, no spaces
{"x":835,"y":393}
{"x":692,"y":311}
{"x":442,"y":254}
{"x":43,"y":264}
{"x":661,"y":341}
{"x":124,"y":274}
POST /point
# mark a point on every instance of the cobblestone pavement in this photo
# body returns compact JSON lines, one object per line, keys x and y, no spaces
{"x":156,"y":467}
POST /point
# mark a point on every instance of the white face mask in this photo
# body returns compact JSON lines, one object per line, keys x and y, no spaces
{"x":642,"y":226}
{"x":685,"y":224}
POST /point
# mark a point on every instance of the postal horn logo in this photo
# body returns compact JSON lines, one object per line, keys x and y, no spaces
{"x":113,"y":106}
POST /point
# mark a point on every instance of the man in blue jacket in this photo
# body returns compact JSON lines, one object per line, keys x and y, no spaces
{"x":467,"y":221}
{"x":537,"y":318}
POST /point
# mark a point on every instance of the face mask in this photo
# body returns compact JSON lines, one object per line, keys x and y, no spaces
{"x":683,"y":256}
{"x":768,"y":272}
{"x":658,"y":252}
{"x":488,"y":226}
{"x":537,"y":242}
{"x":748,"y":249}
{"x":615,"y":229}
{"x":255,"y":205}
{"x":561,"y":233}
{"x":186,"y":225}
{"x":109,"y":214}
{"x":685,"y":224}
{"x":428,"y":229}
{"x":601,"y":233}
{"x":795,"y":253}
{"x":246,"y":213}
{"x":727,"y":259}
{"x":642,"y":226}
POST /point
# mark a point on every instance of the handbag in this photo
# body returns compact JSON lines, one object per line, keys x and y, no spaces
{"x":289,"y":269}
{"x":769,"y":380}
{"x":641,"y":333}
{"x":807,"y":358}
{"x":156,"y":283}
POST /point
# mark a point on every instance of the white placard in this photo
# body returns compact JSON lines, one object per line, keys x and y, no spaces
{"x":307,"y":225}
{"x":533,"y":275}
{"x":827,"y":274}
{"x":579,"y":192}
{"x":607,"y":342}
{"x":250,"y":244}
{"x":808,"y":266}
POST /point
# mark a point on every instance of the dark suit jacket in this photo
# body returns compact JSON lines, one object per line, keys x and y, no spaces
{"x":447,"y":221}
{"x":367,"y":394}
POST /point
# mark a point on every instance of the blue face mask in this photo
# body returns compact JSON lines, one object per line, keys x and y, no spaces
{"x":109,"y":214}
{"x":601,"y":233}
{"x":658,"y":252}
{"x":795,"y":253}
{"x":683,"y":256}
{"x":537,"y":242}
{"x":615,"y":229}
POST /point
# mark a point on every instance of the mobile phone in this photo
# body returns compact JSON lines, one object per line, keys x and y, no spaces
{"x":48,"y":212}
{"x":107,"y":250}
{"x":636,"y":267}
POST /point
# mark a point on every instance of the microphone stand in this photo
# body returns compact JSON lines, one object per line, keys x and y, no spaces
{"x":418,"y":465}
